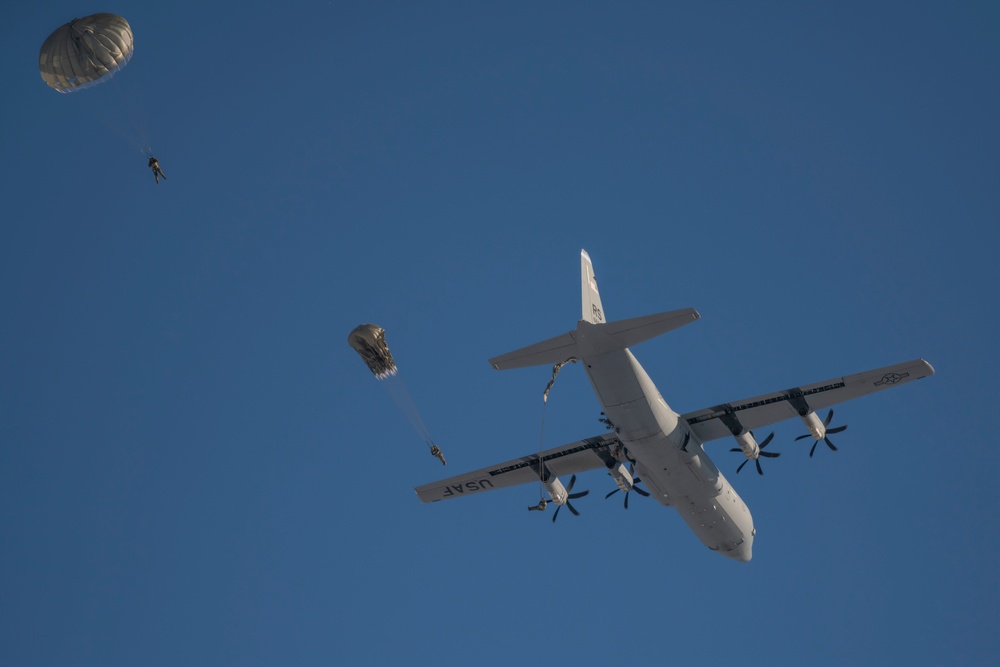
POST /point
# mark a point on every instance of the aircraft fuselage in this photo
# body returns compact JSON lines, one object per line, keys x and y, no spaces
{"x":685,"y":479}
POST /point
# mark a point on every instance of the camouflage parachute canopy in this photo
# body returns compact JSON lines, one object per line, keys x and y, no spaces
{"x":368,"y":340}
{"x":85,"y":52}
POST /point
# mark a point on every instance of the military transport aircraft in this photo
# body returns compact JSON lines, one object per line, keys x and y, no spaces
{"x":662,"y":448}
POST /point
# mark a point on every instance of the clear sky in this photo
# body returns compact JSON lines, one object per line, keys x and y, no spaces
{"x":196,"y":469}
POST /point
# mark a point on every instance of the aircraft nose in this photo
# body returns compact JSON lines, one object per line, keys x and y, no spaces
{"x":742,"y":552}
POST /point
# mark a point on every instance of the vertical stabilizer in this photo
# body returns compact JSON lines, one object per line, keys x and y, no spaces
{"x":593,"y":311}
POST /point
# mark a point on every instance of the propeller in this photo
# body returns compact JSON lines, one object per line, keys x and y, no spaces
{"x":635,"y":488}
{"x":569,"y":497}
{"x":762,"y":453}
{"x":826,"y":438}
{"x":635,"y":480}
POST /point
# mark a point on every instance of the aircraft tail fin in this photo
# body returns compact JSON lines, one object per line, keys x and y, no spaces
{"x":593,"y":311}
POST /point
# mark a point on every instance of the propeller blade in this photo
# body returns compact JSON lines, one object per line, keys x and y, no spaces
{"x":572,"y":496}
{"x":635,"y":488}
{"x":760,"y":453}
{"x":616,"y":491}
{"x":767,"y":441}
{"x":827,"y":432}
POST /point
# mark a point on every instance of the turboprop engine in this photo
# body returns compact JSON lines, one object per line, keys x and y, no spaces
{"x":748,"y":445}
{"x":817,"y":429}
{"x":820,"y":430}
{"x":623,"y":478}
{"x":753,"y":451}
{"x":557,"y":492}
{"x":560,"y":495}
{"x":626,"y":481}
{"x":747,"y":442}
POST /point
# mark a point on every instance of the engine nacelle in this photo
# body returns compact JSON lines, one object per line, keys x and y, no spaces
{"x":817,"y":429}
{"x":556,"y":490}
{"x":749,"y":445}
{"x":622,"y":477}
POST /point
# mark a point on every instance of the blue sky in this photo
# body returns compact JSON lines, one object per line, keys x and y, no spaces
{"x":195,"y":468}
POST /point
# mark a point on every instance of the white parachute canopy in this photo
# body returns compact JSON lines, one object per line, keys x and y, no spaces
{"x":85,"y":52}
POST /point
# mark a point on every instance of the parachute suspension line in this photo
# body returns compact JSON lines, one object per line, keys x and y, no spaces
{"x":404,"y":401}
{"x":132,"y":111}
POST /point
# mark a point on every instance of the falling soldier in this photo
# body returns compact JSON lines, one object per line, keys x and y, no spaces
{"x":154,"y":164}
{"x":436,"y":451}
{"x":540,"y":507}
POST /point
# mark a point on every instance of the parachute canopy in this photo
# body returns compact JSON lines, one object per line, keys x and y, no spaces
{"x":368,"y":340}
{"x":85,"y":52}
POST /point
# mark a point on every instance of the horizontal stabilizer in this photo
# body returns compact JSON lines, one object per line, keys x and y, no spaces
{"x":612,"y":335}
{"x":551,"y":351}
{"x":627,"y":333}
{"x":620,"y":334}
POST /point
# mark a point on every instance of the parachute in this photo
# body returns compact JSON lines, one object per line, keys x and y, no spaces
{"x":368,"y":340}
{"x":85,"y":52}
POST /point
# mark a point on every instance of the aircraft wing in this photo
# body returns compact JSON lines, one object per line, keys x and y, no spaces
{"x":575,"y":457}
{"x":753,"y":413}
